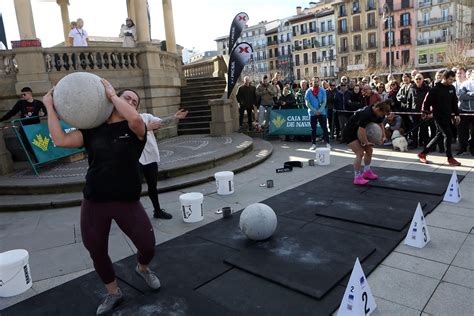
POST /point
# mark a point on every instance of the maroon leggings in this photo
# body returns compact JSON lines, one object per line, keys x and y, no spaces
{"x":96,"y":219}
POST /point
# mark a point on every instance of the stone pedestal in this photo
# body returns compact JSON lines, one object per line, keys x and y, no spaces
{"x":6,"y":163}
{"x":222,"y":119}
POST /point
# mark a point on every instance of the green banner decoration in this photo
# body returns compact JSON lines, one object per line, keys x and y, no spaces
{"x":43,"y":147}
{"x":291,"y":122}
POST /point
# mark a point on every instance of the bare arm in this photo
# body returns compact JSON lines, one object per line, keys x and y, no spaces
{"x":134,"y":119}
{"x":60,"y":138}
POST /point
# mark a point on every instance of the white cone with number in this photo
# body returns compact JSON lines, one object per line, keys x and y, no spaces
{"x":418,"y":235}
{"x":358,"y":299}
{"x":453,"y":192}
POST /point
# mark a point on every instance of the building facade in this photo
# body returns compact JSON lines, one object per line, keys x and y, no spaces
{"x":440,"y":24}
{"x":304,"y":44}
{"x":397,"y":34}
{"x":358,"y":37}
{"x":285,"y":55}
{"x":325,"y":50}
{"x":272,"y":50}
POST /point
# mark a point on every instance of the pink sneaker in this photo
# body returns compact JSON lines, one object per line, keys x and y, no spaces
{"x":359,"y":180}
{"x":369,"y":175}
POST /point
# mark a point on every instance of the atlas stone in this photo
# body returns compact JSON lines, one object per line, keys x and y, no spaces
{"x":80,"y":100}
{"x":258,"y":221}
{"x":374,"y":133}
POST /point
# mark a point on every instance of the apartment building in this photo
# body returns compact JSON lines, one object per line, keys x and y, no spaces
{"x":304,"y":43}
{"x":272,"y":50}
{"x":325,"y":51}
{"x":285,"y":56}
{"x":397,"y":33}
{"x":357,"y":25}
{"x":440,"y":23}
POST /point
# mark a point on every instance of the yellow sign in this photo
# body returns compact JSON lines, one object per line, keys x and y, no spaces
{"x":278,"y":121}
{"x":41,"y":142}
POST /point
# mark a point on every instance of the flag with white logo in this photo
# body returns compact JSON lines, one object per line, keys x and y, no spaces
{"x":238,"y":59}
{"x":236,"y":28}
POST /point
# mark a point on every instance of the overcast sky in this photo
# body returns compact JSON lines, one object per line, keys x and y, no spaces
{"x":197,"y":22}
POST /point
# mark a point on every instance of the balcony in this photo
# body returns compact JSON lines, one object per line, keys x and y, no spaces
{"x":356,"y":10}
{"x":342,"y":13}
{"x":356,"y":28}
{"x":371,"y":45}
{"x":434,"y":21}
{"x":428,"y":41}
{"x":306,"y":46}
{"x":270,"y":43}
{"x":356,"y":48}
{"x":402,"y":23}
{"x":297,"y":47}
{"x":370,"y":26}
{"x":404,"y":42}
{"x":342,"y":30}
{"x":425,"y":3}
{"x":392,"y":44}
{"x":313,"y":30}
{"x":343,"y":49}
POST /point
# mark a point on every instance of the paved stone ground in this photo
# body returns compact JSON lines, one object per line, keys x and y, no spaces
{"x":438,"y":279}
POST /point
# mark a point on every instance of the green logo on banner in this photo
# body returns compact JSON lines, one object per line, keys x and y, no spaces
{"x":291,"y":122}
{"x":41,"y":142}
{"x":278,"y":121}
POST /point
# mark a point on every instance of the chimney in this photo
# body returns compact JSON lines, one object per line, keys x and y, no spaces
{"x":298,"y":10}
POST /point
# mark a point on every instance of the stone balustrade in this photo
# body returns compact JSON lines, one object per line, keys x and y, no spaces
{"x":214,"y":67}
{"x":69,"y":59}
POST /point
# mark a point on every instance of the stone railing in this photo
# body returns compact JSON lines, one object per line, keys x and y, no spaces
{"x":8,"y":64}
{"x":71,"y":59}
{"x":214,"y":67}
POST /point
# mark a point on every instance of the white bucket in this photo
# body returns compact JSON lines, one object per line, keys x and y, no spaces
{"x":15,"y":275}
{"x":191,"y":207}
{"x":224,"y":182}
{"x":323,"y":156}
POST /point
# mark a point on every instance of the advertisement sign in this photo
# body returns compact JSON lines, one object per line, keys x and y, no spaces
{"x":291,"y":122}
{"x":43,"y":147}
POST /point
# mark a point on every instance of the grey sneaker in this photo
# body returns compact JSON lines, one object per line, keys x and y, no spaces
{"x":150,"y":278}
{"x":110,"y":302}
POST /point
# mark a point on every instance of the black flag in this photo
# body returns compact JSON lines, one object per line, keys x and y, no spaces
{"x":236,"y":28}
{"x":3,"y":37}
{"x":238,"y":59}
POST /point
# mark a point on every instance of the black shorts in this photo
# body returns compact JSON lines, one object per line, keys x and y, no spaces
{"x":348,"y":137}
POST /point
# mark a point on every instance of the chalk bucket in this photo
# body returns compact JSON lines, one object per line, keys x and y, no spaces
{"x":191,"y":207}
{"x":323,"y":156}
{"x":224,"y":182}
{"x":15,"y":275}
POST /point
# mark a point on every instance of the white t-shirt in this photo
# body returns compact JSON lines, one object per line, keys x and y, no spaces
{"x":79,"y":37}
{"x":150,"y":153}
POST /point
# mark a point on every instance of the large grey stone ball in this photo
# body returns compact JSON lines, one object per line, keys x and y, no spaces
{"x":374,"y":133}
{"x":80,"y":100}
{"x":258,"y":221}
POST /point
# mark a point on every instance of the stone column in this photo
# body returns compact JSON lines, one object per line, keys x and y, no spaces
{"x":6,"y":163}
{"x":63,"y":4}
{"x":24,"y":16}
{"x":142,"y":22}
{"x":131,"y":10}
{"x":169,"y":26}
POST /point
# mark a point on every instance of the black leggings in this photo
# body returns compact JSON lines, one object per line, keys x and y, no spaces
{"x":150,"y":172}
{"x":96,"y":219}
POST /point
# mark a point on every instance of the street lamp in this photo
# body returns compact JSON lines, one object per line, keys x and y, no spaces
{"x":386,"y":18}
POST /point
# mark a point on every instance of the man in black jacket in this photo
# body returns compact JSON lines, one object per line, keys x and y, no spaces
{"x":441,"y":102}
{"x":247,"y":98}
{"x":28,"y":107}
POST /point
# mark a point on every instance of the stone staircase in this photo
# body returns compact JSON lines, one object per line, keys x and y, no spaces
{"x":194,"y":98}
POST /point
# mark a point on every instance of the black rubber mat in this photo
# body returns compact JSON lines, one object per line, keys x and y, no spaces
{"x":394,"y":214}
{"x":404,"y":180}
{"x":185,"y":262}
{"x":247,"y":294}
{"x":296,"y":261}
{"x":81,"y":296}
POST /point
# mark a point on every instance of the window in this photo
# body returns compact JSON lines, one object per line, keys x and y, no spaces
{"x":304,"y":28}
{"x":297,"y":60}
{"x":330,"y":40}
{"x":271,"y":65}
{"x":405,"y":19}
{"x":344,"y":62}
{"x":445,"y":32}
{"x":275,"y":51}
{"x":355,"y":7}
{"x":389,"y":39}
{"x":331,"y":71}
{"x":405,"y":4}
{"x":295,"y":29}
{"x":305,"y":58}
{"x":342,"y":10}
{"x":372,"y":59}
{"x":358,"y":59}
{"x":445,"y":14}
{"x":323,"y":27}
{"x":389,"y":22}
{"x":370,"y":5}
{"x":323,"y":40}
{"x":343,"y":26}
{"x":356,"y":23}
{"x":371,"y":20}
{"x":281,"y":38}
{"x":357,"y":42}
{"x":270,"y":53}
{"x":315,"y":71}
{"x":426,"y":18}
{"x":405,"y":36}
{"x":312,"y":27}
{"x":298,"y":74}
{"x":288,"y":37}
{"x":306,"y":72}
{"x":330,"y":26}
{"x":313,"y":57}
{"x":388,"y":58}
